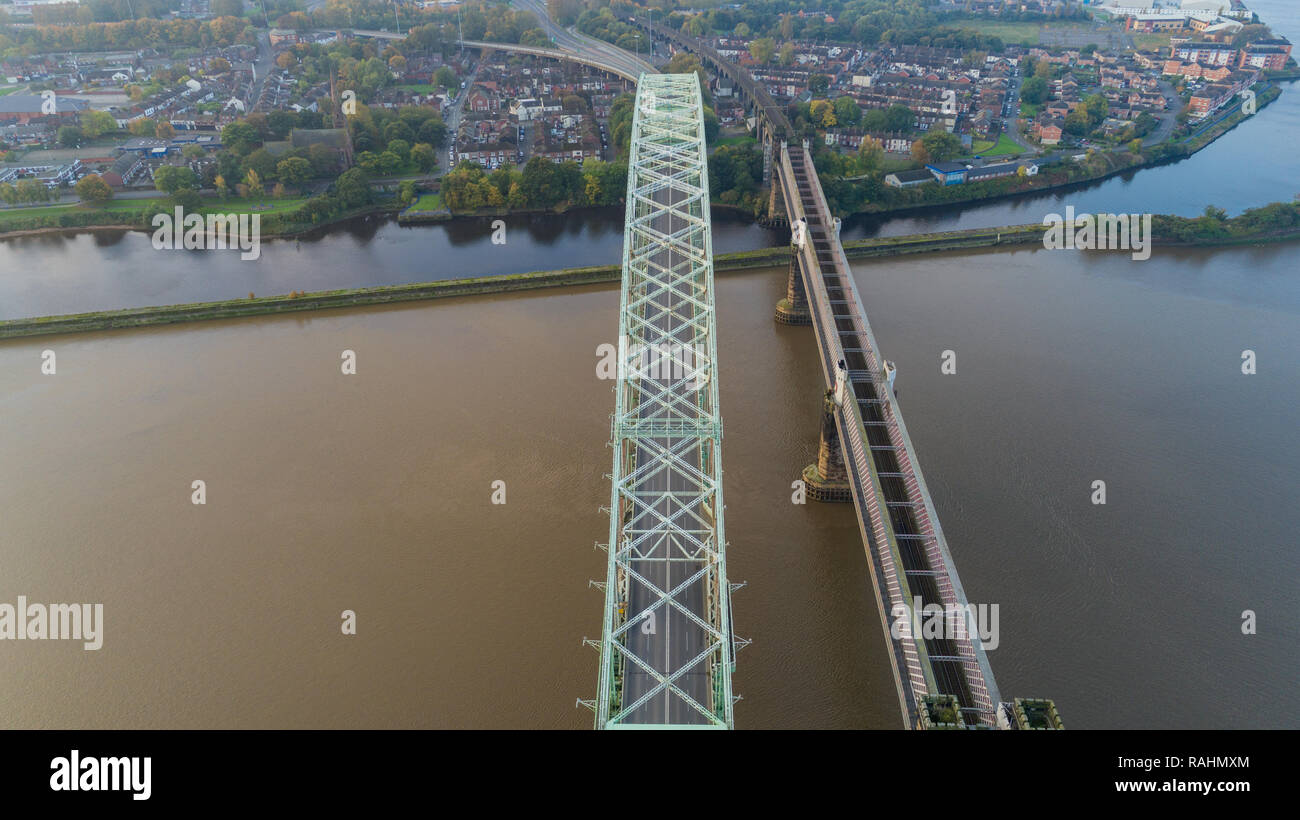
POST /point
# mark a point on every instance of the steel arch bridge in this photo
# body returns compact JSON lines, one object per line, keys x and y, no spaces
{"x":667,"y":649}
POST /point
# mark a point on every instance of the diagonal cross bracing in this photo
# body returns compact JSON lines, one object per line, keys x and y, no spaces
{"x":667,"y":648}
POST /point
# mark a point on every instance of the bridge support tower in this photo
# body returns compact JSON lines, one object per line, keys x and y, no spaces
{"x":828,"y":480}
{"x":793,"y":309}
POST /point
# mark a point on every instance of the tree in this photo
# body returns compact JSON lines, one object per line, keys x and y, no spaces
{"x":433,"y":131}
{"x":445,"y":77}
{"x":240,"y":137}
{"x":1076,"y":122}
{"x":253,"y":181}
{"x":69,"y":136}
{"x":29,"y":190}
{"x":263,"y":162}
{"x":941,"y":146}
{"x":870,"y":154}
{"x":1034,"y":91}
{"x":398,"y":130}
{"x":218,"y":65}
{"x":97,"y":123}
{"x":281,"y":123}
{"x":819,"y":84}
{"x":188,"y":199}
{"x":424,"y":156}
{"x":223,"y":190}
{"x":899,"y":118}
{"x":164,"y":130}
{"x":400,"y":147}
{"x":847,"y":111}
{"x":352,"y":188}
{"x":787,"y":54}
{"x":1135,"y":147}
{"x":141,"y":127}
{"x":170,"y":179}
{"x":1098,"y":107}
{"x":762,"y":49}
{"x":823,"y":113}
{"x":92,"y":188}
{"x":193,"y":151}
{"x":294,"y":170}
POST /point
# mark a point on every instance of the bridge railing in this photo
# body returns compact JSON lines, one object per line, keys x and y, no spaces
{"x":907,"y":657}
{"x":975,"y":664}
{"x":853,"y":320}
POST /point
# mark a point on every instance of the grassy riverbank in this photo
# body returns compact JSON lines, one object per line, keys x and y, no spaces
{"x":1277,"y":222}
{"x":279,"y":217}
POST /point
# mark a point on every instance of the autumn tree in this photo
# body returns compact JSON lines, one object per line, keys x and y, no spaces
{"x":763,"y":49}
{"x":92,"y":188}
{"x":253,"y":181}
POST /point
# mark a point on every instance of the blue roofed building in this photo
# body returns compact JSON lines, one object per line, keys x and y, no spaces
{"x":948,"y":173}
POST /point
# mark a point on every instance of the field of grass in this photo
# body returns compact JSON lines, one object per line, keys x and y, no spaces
{"x":1154,"y":41}
{"x":1008,"y":32}
{"x":419,"y":88}
{"x":427,"y":202}
{"x":127,"y":207}
{"x":1005,"y":146}
{"x":253,"y":204}
{"x":743,"y":139}
{"x":896,"y":162}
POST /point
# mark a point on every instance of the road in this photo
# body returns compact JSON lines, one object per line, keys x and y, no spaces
{"x":675,"y":639}
{"x":261,"y":69}
{"x":578,"y":43}
{"x":1011,"y":128}
{"x":452,"y":117}
{"x":1169,"y":120}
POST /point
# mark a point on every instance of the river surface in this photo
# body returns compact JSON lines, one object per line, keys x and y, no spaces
{"x":372,"y":492}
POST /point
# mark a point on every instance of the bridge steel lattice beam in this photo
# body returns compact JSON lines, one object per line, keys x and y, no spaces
{"x":667,"y":649}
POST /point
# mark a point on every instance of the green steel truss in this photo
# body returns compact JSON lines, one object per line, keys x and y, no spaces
{"x":667,"y":650}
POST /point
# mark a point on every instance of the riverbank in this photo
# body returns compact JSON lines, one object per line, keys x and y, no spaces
{"x":1273,"y":223}
{"x":1061,"y":176}
{"x":135,"y":215}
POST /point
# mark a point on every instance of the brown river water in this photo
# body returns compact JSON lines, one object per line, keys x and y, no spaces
{"x":373,"y":493}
